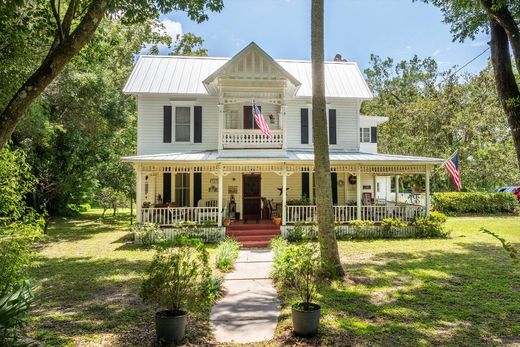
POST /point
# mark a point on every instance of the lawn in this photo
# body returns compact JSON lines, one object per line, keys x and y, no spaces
{"x":459,"y":291}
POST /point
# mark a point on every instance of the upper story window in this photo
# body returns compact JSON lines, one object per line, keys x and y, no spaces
{"x":182,"y":123}
{"x":364,"y":135}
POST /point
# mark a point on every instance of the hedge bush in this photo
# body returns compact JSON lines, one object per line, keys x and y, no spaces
{"x":475,"y":202}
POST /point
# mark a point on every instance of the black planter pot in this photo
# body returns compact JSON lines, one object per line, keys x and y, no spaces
{"x":170,"y":326}
{"x":306,"y":320}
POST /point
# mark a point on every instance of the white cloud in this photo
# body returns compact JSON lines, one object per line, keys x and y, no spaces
{"x":436,"y":52}
{"x":172,"y":28}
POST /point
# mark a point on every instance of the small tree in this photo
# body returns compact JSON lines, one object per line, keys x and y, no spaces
{"x":109,"y":198}
{"x":306,"y":270}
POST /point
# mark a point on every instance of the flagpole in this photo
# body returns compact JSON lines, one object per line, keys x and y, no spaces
{"x":447,"y":160}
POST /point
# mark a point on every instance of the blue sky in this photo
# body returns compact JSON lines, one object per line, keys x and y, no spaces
{"x":353,"y":28}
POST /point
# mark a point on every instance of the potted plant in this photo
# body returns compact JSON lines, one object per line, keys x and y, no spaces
{"x":277,"y":220}
{"x":178,"y":282}
{"x":306,"y":314}
{"x":227,"y":222}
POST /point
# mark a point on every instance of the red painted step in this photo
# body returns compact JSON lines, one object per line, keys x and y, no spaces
{"x":271,"y":233}
{"x":253,"y":227}
{"x":253,"y":235}
{"x":255,"y":244}
{"x":241,"y":238}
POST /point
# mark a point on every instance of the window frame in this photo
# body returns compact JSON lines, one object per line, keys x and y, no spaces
{"x":184,"y":188}
{"x":189,"y":105}
{"x":363,"y":136}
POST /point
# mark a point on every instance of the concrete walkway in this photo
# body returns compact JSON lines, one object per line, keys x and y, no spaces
{"x":249,"y":310}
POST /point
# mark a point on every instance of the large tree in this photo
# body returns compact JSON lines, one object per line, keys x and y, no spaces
{"x":326,"y":234}
{"x":499,"y":18}
{"x":66,"y":27}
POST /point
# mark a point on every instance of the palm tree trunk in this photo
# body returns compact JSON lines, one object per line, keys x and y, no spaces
{"x":326,"y":235}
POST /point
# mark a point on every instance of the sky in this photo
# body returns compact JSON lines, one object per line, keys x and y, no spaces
{"x":353,"y":28}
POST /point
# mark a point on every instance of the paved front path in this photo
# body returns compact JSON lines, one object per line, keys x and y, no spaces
{"x":249,"y":310}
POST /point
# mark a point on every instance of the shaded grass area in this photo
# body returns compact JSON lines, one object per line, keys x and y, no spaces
{"x":462,"y":291}
{"x":88,"y":276}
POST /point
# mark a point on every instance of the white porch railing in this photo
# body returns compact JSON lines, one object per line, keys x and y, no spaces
{"x":168,"y":216}
{"x":343,"y":214}
{"x":251,"y":138}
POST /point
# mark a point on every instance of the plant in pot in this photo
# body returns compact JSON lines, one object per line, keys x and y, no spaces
{"x":178,"y":282}
{"x":306,"y":314}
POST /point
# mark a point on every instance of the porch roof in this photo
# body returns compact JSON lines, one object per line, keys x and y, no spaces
{"x":293,"y":156}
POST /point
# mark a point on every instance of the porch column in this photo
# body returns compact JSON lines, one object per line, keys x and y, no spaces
{"x":358,"y":192}
{"x":283,"y":108}
{"x":138,"y":197}
{"x":220,"y":125}
{"x":220,"y":194}
{"x":396,"y":189}
{"x":284,"y":196}
{"x":427,"y":200}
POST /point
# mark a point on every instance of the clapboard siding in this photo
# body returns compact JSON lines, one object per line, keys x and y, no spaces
{"x":150,"y":126}
{"x":347,"y":124}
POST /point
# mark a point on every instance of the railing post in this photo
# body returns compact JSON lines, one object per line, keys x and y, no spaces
{"x":358,"y":192}
{"x":427,"y":201}
{"x":284,"y":196}
{"x":396,"y":189}
{"x":138,"y":198}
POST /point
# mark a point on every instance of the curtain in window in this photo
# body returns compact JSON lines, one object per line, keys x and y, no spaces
{"x":182,"y":124}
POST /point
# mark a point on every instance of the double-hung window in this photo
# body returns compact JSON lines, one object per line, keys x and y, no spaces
{"x":182,"y":189}
{"x":364,"y":135}
{"x":182,"y":124}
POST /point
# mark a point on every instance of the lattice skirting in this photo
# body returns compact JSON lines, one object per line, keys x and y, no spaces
{"x":349,"y":231}
{"x":206,"y":234}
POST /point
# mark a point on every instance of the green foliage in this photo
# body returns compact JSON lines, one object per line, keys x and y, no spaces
{"x":432,"y":226}
{"x":508,"y":246}
{"x":226,"y":253}
{"x":179,"y":278}
{"x":295,"y":234}
{"x":109,"y":198}
{"x":432,"y":113}
{"x":189,"y":44}
{"x":13,"y":307}
{"x":390,"y":225}
{"x":475,"y":202}
{"x":283,"y":261}
{"x":360,"y":226}
{"x":306,"y":267}
{"x":148,"y":233}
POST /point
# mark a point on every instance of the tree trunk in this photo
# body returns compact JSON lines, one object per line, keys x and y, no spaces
{"x":327,"y":234}
{"x":507,"y":88}
{"x":59,"y":55}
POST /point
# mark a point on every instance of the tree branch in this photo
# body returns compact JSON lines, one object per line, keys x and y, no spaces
{"x":59,"y":55}
{"x":69,"y":16}
{"x":57,"y":18}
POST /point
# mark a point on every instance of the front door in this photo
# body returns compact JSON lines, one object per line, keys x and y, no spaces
{"x":249,"y":119}
{"x":252,"y":197}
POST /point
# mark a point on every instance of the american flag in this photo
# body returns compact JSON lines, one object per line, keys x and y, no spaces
{"x":260,"y":121}
{"x":453,"y":168}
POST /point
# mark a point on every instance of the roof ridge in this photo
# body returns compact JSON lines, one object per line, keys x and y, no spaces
{"x":228,"y":58}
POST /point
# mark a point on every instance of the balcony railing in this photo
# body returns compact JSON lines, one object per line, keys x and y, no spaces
{"x":251,"y":138}
{"x":342,"y":214}
{"x":167,"y":216}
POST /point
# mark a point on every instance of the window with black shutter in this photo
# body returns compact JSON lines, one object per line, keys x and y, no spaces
{"x":304,"y":121}
{"x":373,"y":135}
{"x":167,"y":187}
{"x":305,"y":185}
{"x":197,"y":124}
{"x":332,"y":127}
{"x":334,"y":186}
{"x":167,"y":124}
{"x":197,"y":188}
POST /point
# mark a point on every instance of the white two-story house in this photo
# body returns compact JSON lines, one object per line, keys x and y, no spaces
{"x":200,"y":155}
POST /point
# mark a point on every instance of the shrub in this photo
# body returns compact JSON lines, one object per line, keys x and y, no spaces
{"x":511,"y":250}
{"x":295,"y":234}
{"x":431,"y":226}
{"x":14,"y":304}
{"x":475,"y":202}
{"x":283,"y":261}
{"x":306,"y":267}
{"x":360,"y":227}
{"x":226,"y":254}
{"x":389,"y":226}
{"x":179,"y":278}
{"x":148,"y":233}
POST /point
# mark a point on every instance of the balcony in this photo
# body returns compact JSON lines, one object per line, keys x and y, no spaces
{"x":250,"y":138}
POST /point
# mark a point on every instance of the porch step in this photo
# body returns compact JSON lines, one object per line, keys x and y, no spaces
{"x":259,"y":231}
{"x":253,"y":237}
{"x":254,"y":244}
{"x":253,"y":226}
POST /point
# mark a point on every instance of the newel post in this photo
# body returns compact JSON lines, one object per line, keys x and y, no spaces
{"x":427,"y":200}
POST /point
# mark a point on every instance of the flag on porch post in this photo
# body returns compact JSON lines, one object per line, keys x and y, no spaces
{"x":453,"y":167}
{"x":260,"y":121}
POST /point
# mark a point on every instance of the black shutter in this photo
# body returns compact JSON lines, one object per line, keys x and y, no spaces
{"x":305,"y":185}
{"x":197,"y":188}
{"x":332,"y":127}
{"x":197,"y":124}
{"x":373,"y":134}
{"x":167,"y":124}
{"x":304,"y":120}
{"x":167,"y":187}
{"x":334,"y":184}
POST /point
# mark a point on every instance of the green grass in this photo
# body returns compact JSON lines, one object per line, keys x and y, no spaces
{"x":462,"y":291}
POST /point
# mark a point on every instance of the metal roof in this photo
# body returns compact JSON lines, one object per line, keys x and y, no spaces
{"x":185,"y":75}
{"x":290,"y":155}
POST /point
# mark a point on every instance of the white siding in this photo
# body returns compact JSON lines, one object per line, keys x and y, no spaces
{"x":347,"y":124}
{"x":150,"y":126}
